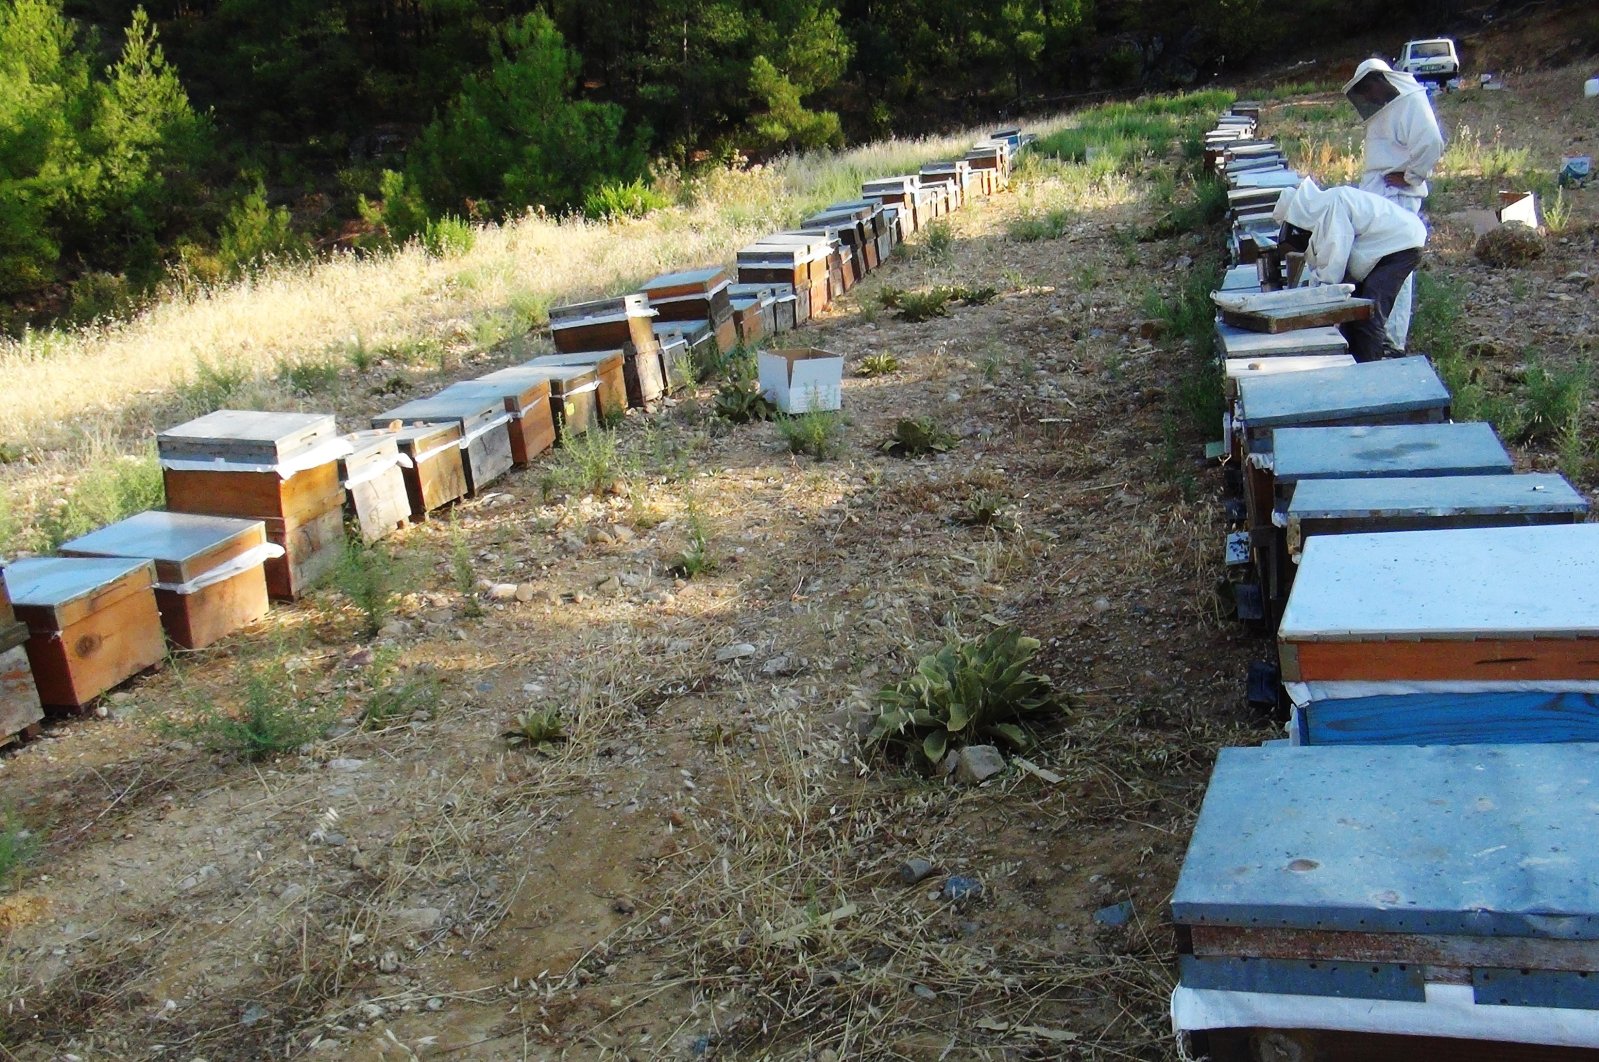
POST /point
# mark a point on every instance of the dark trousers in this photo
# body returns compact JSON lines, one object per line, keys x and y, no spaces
{"x":1368,"y":339}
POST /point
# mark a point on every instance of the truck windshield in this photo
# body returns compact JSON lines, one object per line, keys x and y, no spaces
{"x":1430,"y":50}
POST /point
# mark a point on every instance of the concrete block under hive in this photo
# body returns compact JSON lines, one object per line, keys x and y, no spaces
{"x":210,"y":579}
{"x":92,"y":624}
{"x":282,"y":468}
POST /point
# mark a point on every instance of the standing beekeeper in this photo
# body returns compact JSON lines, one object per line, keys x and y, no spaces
{"x":1350,"y":236}
{"x":1403,"y":144}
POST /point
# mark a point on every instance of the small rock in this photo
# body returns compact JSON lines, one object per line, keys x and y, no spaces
{"x":525,"y":592}
{"x":371,"y":1011}
{"x":623,"y":533}
{"x":435,"y":1003}
{"x":923,"y":992}
{"x":1117,"y":914}
{"x":1102,"y":604}
{"x":913,"y":870}
{"x":958,"y":887}
{"x":193,"y":881}
{"x":734,"y":652}
{"x":389,"y":963}
{"x":978,"y":763}
{"x":253,"y":1014}
{"x":337,"y":840}
{"x":609,"y":585}
{"x":291,"y":893}
{"x":601,"y":535}
{"x":345,"y":764}
{"x":778,"y":665}
{"x":394,"y":629}
{"x":623,"y":906}
{"x":501,"y":592}
{"x":417,"y":919}
{"x":1151,"y":329}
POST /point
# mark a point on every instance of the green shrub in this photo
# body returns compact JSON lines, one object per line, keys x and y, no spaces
{"x":463,"y":571}
{"x":966,"y":693}
{"x":697,"y":557}
{"x":310,"y":377}
{"x":273,"y":718}
{"x":1051,"y":225}
{"x":111,"y":489}
{"x":448,"y":237}
{"x":940,"y":243}
{"x":613,"y":201}
{"x":367,"y":576}
{"x":818,"y":433}
{"x":18,"y":846}
{"x":399,"y":213}
{"x":394,"y":697}
{"x":96,"y":295}
{"x":536,"y":730}
{"x":1552,"y":403}
{"x":741,"y":402}
{"x":985,"y":509}
{"x":213,"y":385}
{"x":255,"y":232}
{"x":591,"y":463}
{"x":918,"y":437}
{"x":877,"y":365}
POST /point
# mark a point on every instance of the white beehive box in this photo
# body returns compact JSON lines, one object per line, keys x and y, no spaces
{"x":802,"y":379}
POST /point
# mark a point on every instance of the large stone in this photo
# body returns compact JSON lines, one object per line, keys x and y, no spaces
{"x":978,"y":763}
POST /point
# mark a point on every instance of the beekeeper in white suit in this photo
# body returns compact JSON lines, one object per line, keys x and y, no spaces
{"x":1403,"y":144}
{"x":1350,"y":236}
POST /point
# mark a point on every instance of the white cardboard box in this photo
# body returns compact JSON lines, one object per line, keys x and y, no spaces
{"x":802,"y":379}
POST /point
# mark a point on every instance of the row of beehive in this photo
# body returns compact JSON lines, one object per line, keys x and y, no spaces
{"x":1411,"y":870}
{"x":257,"y":502}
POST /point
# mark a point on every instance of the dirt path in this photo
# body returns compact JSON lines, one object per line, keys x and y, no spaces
{"x":707,"y":867}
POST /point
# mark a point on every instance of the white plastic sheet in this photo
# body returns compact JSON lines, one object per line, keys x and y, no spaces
{"x":320,"y":454}
{"x":250,"y":558}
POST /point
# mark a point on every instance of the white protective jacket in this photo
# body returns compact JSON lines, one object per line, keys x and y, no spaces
{"x":1350,"y":230}
{"x":1401,"y":137}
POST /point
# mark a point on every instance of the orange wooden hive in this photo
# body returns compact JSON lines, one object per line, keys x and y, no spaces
{"x":281,"y":468}
{"x":92,"y":624}
{"x":612,"y":371}
{"x":436,"y":475}
{"x":20,"y":710}
{"x":527,"y":400}
{"x":210,"y":580}
{"x":373,"y":476}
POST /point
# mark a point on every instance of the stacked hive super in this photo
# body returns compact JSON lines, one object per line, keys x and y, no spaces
{"x":259,"y":501}
{"x":1410,"y":871}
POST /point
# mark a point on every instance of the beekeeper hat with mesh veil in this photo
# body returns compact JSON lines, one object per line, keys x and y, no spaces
{"x":1285,"y":210}
{"x":1376,"y":85}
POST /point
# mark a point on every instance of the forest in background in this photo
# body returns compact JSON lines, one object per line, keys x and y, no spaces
{"x":183,"y":140}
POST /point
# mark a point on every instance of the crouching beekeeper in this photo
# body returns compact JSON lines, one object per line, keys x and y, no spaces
{"x":1353,"y":237}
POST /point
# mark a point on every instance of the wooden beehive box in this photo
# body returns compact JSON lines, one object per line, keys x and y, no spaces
{"x":1419,"y":503}
{"x":755,"y":317}
{"x":1235,"y":370}
{"x":20,"y":708}
{"x":691,"y":295}
{"x":374,"y":484}
{"x":677,"y":361}
{"x":1232,"y":342}
{"x":574,"y":393}
{"x":527,"y":402}
{"x":610,"y":368}
{"x":703,"y":348}
{"x":602,"y":324}
{"x":761,"y":263}
{"x":278,"y":467}
{"x":1442,"y":713}
{"x":485,"y":429}
{"x":92,"y":624}
{"x":436,"y":473}
{"x":1434,"y":903}
{"x":1393,"y":391}
{"x":954,"y":174}
{"x":210,"y":579}
{"x":1484,"y":604}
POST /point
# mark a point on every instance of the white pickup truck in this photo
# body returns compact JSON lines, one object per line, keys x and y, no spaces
{"x":1431,"y":60}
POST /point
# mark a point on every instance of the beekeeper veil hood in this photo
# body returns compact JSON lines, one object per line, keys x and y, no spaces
{"x":1376,"y":85}
{"x":1298,"y":206}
